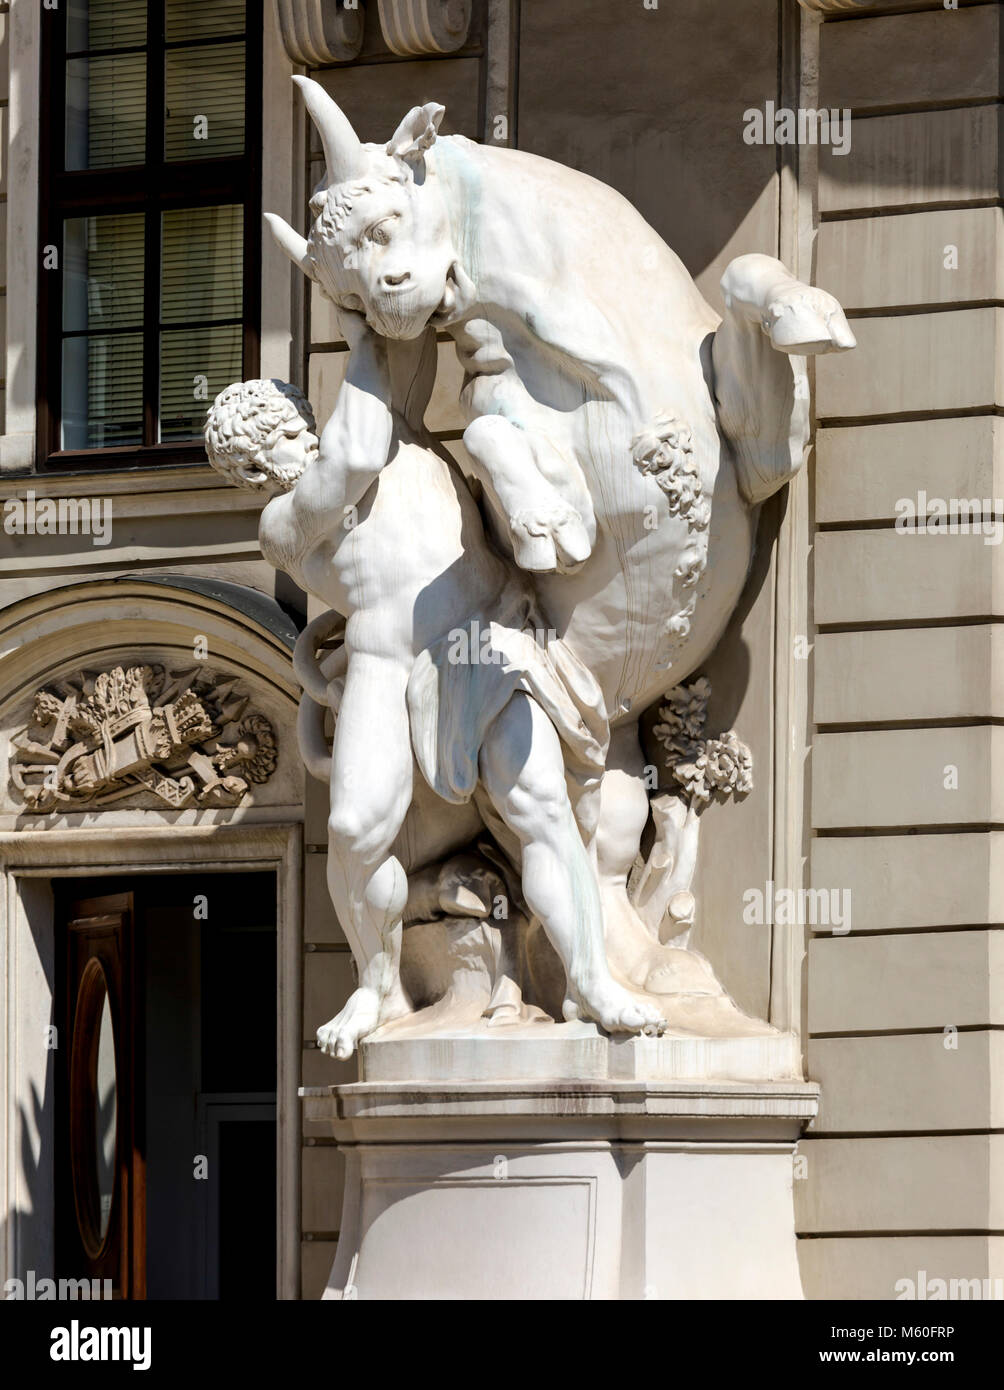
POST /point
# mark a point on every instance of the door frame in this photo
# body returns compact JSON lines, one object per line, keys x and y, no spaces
{"x":100,"y":932}
{"x":29,"y":860}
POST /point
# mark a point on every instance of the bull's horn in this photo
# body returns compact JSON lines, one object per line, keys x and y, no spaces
{"x":343,"y":151}
{"x":294,"y":245}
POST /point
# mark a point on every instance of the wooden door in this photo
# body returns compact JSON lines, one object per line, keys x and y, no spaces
{"x":101,"y":1168}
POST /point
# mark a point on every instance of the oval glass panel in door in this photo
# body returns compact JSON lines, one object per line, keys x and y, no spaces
{"x":105,"y":1116}
{"x":93,"y":1108}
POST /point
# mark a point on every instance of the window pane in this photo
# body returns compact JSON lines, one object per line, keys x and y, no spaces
{"x":202,"y":264}
{"x":195,"y":365}
{"x":105,"y":24}
{"x":105,"y":111}
{"x":185,"y":20}
{"x":103,"y":272}
{"x":205,"y":101}
{"x":102,"y":403}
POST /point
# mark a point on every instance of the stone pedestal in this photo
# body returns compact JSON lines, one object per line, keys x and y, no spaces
{"x":608,"y":1187}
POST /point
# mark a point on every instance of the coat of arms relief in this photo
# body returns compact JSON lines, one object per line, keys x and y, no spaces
{"x":100,"y":738}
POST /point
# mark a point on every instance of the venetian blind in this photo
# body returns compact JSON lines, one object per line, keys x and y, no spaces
{"x":102,"y":403}
{"x":202,"y":286}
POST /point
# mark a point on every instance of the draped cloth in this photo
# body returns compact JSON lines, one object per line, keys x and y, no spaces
{"x":461,"y":683}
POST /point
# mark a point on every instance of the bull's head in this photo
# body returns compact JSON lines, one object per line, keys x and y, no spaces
{"x":381,"y":243}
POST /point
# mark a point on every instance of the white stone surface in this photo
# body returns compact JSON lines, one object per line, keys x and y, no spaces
{"x":562,"y":380}
{"x":578,"y":1051}
{"x":608,"y":1190}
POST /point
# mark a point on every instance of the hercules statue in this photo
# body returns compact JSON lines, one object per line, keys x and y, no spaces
{"x":620,"y":441}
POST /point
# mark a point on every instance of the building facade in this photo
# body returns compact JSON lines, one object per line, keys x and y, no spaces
{"x":176,"y":883}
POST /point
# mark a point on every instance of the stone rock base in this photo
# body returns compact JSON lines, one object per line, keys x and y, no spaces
{"x":596,"y":1189}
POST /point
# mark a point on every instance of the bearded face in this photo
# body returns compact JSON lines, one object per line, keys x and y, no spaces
{"x":260,"y":435}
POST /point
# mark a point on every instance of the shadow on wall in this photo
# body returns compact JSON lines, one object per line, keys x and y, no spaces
{"x":651,"y":102}
{"x":26,"y":1229}
{"x":28,"y":1225}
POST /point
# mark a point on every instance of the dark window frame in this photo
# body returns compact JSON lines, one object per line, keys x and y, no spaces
{"x":151,"y":188}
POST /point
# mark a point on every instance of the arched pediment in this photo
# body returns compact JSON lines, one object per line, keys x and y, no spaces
{"x":164,"y":695}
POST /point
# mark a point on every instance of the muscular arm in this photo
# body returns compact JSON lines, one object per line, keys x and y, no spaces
{"x":382,"y":378}
{"x":354,"y":444}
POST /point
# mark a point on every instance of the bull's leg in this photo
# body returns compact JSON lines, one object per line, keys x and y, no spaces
{"x":371,"y":785}
{"x":772,"y":322}
{"x":537,"y":492}
{"x":523,"y":773}
{"x":547,"y":532}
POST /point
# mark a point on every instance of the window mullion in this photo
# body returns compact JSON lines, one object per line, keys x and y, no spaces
{"x":151,"y":260}
{"x":151,"y":325}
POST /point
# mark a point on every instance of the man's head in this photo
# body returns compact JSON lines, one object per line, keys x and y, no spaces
{"x":381,"y":242}
{"x":261,"y":435}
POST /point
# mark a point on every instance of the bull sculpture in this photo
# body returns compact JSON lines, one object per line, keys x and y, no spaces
{"x":620,"y":441}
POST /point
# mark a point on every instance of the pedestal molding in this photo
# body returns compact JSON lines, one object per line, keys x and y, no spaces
{"x":651,"y":1189}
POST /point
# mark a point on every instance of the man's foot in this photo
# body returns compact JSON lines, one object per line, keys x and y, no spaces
{"x":339,"y":1037}
{"x":614,"y":1008}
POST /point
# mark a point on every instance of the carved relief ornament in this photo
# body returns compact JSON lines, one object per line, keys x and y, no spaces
{"x":411,"y":27}
{"x":316,"y":32}
{"x":101,"y":737}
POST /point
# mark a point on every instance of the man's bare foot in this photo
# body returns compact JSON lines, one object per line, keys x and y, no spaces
{"x":339,"y":1037}
{"x":614,"y":1008}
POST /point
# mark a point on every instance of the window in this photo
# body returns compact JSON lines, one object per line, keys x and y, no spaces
{"x":150,"y":225}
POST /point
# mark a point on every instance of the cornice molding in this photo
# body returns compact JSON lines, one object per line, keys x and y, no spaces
{"x":833,"y":6}
{"x":411,"y":27}
{"x":317,"y":32}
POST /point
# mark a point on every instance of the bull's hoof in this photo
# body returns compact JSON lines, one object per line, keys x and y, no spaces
{"x":803,"y":320}
{"x":546,"y":539}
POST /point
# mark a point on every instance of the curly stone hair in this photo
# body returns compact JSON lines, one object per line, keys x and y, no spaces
{"x":243,"y":424}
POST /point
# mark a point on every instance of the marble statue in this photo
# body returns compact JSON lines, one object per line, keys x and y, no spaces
{"x":492,"y":636}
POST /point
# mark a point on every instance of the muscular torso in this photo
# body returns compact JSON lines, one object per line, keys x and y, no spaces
{"x":406,"y":566}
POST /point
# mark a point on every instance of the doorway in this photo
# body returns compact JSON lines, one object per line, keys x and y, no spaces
{"x":166,"y":987}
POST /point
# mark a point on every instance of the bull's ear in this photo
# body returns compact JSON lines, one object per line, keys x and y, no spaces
{"x":417,"y":132}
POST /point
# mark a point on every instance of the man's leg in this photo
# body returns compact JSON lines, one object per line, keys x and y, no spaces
{"x":371,"y":786}
{"x":523,"y":772}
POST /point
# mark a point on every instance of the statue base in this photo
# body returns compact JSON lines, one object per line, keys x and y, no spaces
{"x":618,"y":1186}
